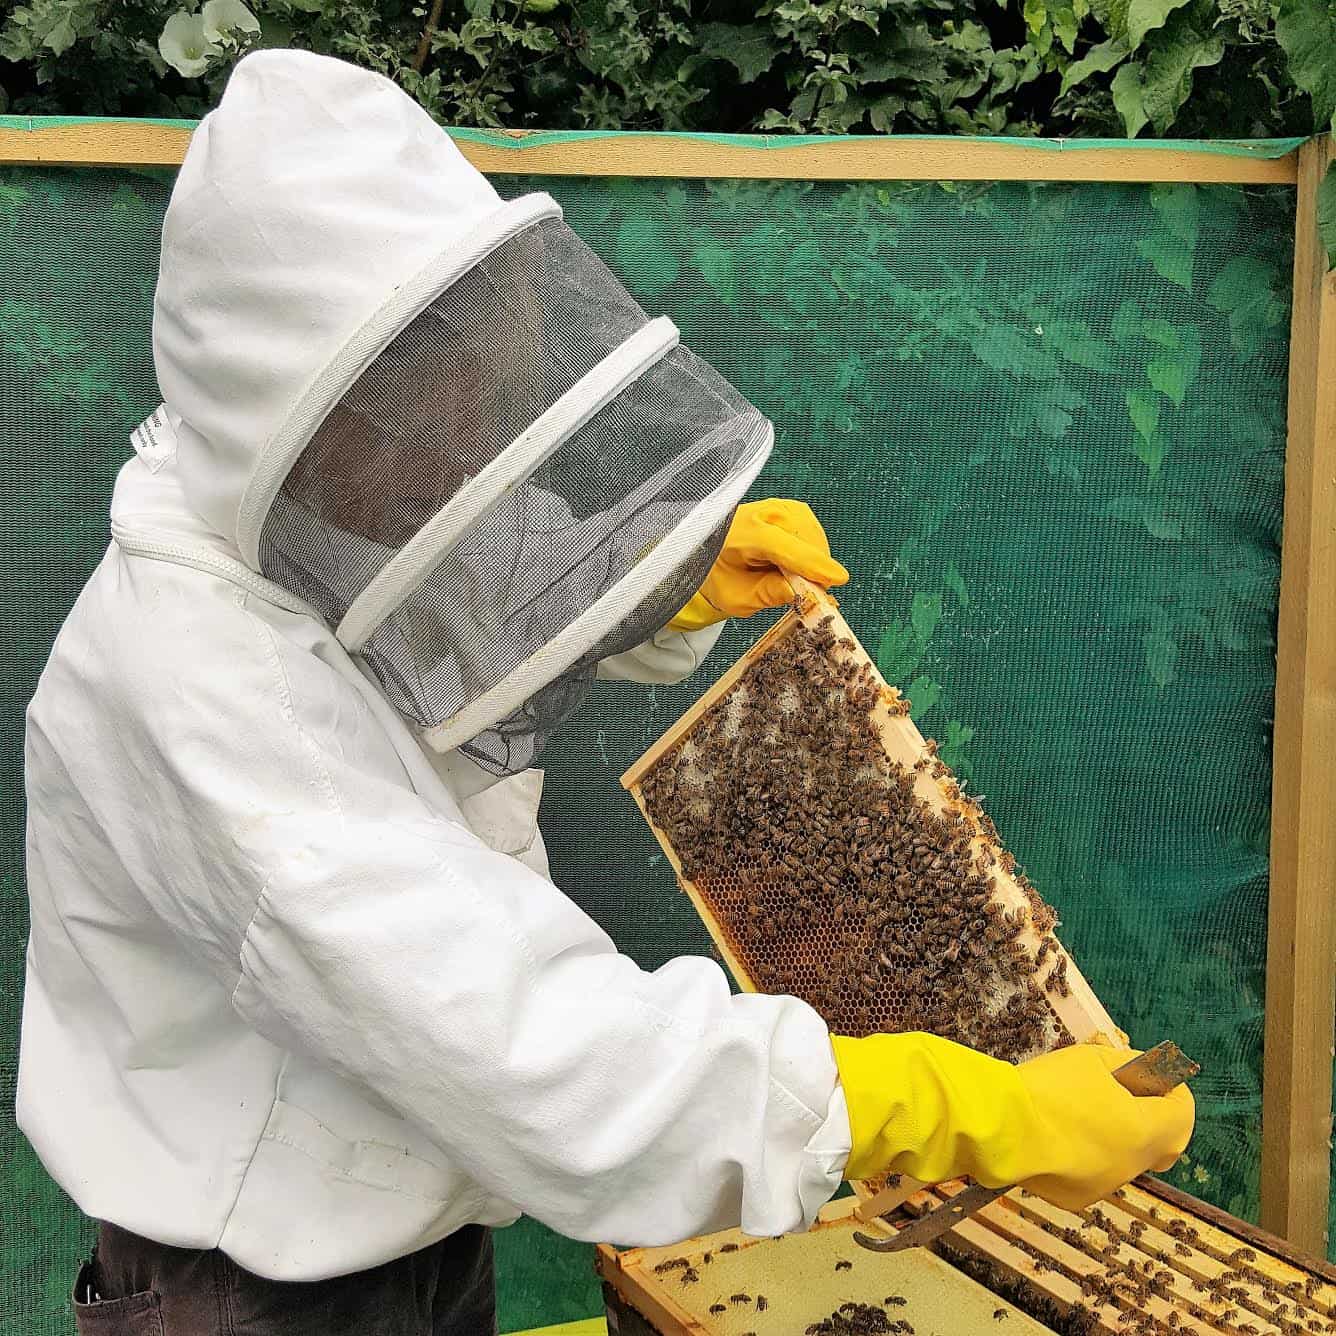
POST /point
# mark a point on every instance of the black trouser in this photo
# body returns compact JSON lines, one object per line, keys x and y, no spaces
{"x":134,"y":1287}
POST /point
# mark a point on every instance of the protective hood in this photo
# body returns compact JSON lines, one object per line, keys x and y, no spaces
{"x":433,"y":415}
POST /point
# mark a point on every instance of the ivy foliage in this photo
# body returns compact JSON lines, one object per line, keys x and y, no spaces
{"x":1223,"y":68}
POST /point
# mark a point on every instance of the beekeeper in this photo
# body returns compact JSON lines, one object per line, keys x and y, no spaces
{"x":302,"y":1003}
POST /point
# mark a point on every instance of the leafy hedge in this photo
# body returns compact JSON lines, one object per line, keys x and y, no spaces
{"x":1220,"y":68}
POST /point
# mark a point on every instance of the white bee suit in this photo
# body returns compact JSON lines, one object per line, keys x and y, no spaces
{"x":288,"y":991}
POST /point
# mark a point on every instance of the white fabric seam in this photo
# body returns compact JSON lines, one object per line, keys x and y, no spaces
{"x":324,"y":780}
{"x":793,"y":1102}
{"x":255,"y":1149}
{"x":280,"y":1140}
{"x":212,"y":563}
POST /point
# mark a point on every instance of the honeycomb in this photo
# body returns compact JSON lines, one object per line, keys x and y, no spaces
{"x":830,"y":876}
{"x":818,"y":1282}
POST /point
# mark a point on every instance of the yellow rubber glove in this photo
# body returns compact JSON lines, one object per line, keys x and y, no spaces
{"x":1059,"y":1125}
{"x":765,"y":539}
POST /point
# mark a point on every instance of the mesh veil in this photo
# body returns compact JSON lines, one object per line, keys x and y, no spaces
{"x":448,"y":397}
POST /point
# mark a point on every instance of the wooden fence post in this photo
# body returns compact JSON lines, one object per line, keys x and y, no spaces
{"x":1301,"y":950}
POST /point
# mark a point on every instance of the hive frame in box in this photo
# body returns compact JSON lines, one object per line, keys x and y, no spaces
{"x":656,"y":1295}
{"x":1195,"y":1250}
{"x":1078,"y":1008}
{"x":1301,"y":937}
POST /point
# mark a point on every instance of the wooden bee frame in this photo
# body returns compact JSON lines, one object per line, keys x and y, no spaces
{"x":1077,"y":1008}
{"x":673,"y":1290}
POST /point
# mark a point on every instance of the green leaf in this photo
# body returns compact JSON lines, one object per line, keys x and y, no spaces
{"x":955,"y":582}
{"x":1077,"y":343}
{"x":1063,"y":464}
{"x":1130,"y":508}
{"x":274,"y":32}
{"x":1035,"y":13}
{"x":883,"y":111}
{"x":1144,"y":410}
{"x":923,"y":693}
{"x":1239,"y":282}
{"x":1244,"y":290}
{"x":749,"y":47}
{"x":717,"y":266}
{"x":1005,"y":348}
{"x":1052,"y":420}
{"x":1145,"y":15}
{"x":957,"y":734}
{"x":1158,"y":330}
{"x":1171,"y":258}
{"x":1179,"y":207}
{"x":1128,"y":321}
{"x":1229,"y":631}
{"x":1160,"y":524}
{"x":1169,"y":377}
{"x":1326,"y":213}
{"x":924,"y":614}
{"x":952,"y":751}
{"x":1174,"y":370}
{"x":60,"y":36}
{"x":1176,"y":53}
{"x":1065,"y":27}
{"x":1151,"y":451}
{"x":1161,"y":653}
{"x":1098,"y":60}
{"x":1129,"y":98}
{"x":1306,"y":29}
{"x":643,"y":248}
{"x":899,"y":652}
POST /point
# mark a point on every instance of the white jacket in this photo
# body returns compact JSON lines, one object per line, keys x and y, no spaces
{"x":288,"y":991}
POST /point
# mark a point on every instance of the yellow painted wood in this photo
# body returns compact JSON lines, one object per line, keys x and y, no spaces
{"x":858,"y":158}
{"x":1301,"y":939}
{"x":593,"y":1326}
{"x":803,"y":1277}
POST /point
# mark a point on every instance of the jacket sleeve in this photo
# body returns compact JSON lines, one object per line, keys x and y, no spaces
{"x":668,"y":656}
{"x":361,"y":926}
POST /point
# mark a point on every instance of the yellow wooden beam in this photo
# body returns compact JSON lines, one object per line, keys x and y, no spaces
{"x":873,"y":158}
{"x":1301,"y":942}
{"x":95,"y":144}
{"x":839,"y":158}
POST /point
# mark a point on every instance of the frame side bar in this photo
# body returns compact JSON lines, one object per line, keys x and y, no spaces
{"x":128,"y":143}
{"x":1301,"y":938}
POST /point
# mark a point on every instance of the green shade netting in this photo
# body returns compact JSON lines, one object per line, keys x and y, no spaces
{"x":1045,"y":427}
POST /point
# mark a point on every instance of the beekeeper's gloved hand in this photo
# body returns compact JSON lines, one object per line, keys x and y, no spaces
{"x":1059,"y":1125}
{"x":765,"y":539}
